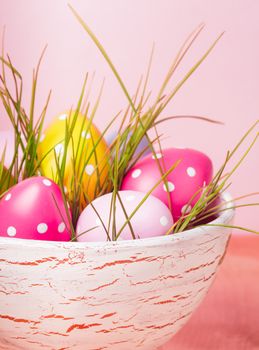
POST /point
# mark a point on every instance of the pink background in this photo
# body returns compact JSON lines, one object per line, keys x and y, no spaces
{"x":224,"y":88}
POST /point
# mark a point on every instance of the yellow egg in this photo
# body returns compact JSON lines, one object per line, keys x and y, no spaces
{"x":86,"y":154}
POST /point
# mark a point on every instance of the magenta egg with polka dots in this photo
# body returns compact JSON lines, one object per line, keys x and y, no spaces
{"x":183,"y":185}
{"x":34,"y":209}
{"x":152,"y":219}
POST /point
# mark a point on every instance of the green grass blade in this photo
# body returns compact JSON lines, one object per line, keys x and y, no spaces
{"x":104,"y":53}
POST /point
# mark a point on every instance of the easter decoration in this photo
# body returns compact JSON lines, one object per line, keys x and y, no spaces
{"x":31,"y":209}
{"x":183,"y":184}
{"x":99,"y":230}
{"x":92,"y":166}
{"x":126,"y":202}
{"x":94,"y":170}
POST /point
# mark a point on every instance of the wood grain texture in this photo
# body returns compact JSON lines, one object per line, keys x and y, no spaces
{"x":228,"y":318}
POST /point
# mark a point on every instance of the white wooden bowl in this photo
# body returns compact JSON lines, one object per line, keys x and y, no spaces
{"x":112,"y":295}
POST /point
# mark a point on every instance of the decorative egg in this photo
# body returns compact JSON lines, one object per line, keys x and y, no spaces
{"x":142,"y":147}
{"x":182,"y":188}
{"x":34,"y":209}
{"x":92,"y":165}
{"x":153,"y":218}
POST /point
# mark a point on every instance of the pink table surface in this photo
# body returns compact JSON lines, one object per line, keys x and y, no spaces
{"x":228,"y":318}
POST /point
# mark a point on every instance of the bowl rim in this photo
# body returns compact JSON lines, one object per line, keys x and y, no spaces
{"x":226,"y":216}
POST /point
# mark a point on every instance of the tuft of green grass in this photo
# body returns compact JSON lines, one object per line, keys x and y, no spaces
{"x":27,"y":128}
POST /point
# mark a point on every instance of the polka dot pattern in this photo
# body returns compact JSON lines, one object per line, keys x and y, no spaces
{"x":42,"y":228}
{"x":164,"y":221}
{"x":8,"y":196}
{"x":63,"y":116}
{"x":136,"y":173}
{"x":186,"y":209}
{"x":32,"y":210}
{"x":86,"y":138}
{"x":47,"y":182}
{"x":184,"y":183}
{"x":61,"y":227}
{"x":157,"y":156}
{"x":191,"y":171}
{"x":89,"y":169}
{"x":169,"y":187}
{"x":86,"y":135}
{"x":151,"y":220}
{"x":11,"y":231}
{"x":59,"y":149}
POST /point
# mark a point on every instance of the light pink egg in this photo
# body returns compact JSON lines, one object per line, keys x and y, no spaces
{"x":34,"y":209}
{"x":184,"y":183}
{"x":152,"y":219}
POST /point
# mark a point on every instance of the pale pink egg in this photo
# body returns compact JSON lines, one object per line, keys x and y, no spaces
{"x":34,"y":209}
{"x":152,"y":219}
{"x":183,"y":185}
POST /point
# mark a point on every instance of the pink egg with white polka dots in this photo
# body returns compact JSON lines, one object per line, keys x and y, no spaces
{"x":34,"y":209}
{"x":152,"y":219}
{"x":183,"y":185}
